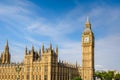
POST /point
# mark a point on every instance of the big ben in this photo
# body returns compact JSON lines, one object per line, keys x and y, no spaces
{"x":87,"y":52}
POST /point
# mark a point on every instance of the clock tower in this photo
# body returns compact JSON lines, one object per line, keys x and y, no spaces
{"x":87,"y":52}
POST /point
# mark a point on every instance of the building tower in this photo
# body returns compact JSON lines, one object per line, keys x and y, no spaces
{"x":87,"y":52}
{"x":6,"y":55}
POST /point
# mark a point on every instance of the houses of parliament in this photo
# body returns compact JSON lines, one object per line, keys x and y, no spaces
{"x":44,"y":64}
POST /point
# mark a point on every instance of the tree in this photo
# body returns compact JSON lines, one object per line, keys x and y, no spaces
{"x":110,"y":75}
{"x":105,"y":75}
{"x":98,"y":74}
{"x":77,"y":78}
{"x":117,"y":77}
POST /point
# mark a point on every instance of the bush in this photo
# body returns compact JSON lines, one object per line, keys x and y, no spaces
{"x":77,"y":78}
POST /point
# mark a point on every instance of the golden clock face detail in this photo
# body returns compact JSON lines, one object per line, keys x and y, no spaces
{"x":86,"y":39}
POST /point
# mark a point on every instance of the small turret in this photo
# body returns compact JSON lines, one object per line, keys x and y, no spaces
{"x":76,"y":64}
{"x":50,"y":46}
{"x":43,"y":48}
{"x":32,"y":48}
{"x":59,"y":61}
{"x":57,"y":49}
{"x":39,"y":52}
{"x":26,"y":50}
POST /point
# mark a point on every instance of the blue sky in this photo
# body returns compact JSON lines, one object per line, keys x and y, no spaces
{"x":34,"y":22}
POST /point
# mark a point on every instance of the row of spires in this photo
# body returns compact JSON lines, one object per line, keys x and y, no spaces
{"x":43,"y":50}
{"x":69,"y":64}
{"x":36,"y":55}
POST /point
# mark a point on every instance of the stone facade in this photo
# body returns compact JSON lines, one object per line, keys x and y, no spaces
{"x":44,"y":64}
{"x":41,"y":65}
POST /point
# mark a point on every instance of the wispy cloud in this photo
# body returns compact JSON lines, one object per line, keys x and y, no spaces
{"x":100,"y":67}
{"x":107,"y":49}
{"x":24,"y":20}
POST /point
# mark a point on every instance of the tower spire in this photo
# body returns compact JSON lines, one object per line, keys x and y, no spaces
{"x":7,"y":45}
{"x":6,"y":54}
{"x":88,"y":21}
{"x":88,"y":24}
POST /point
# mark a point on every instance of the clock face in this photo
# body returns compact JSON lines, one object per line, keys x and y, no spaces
{"x":86,"y":39}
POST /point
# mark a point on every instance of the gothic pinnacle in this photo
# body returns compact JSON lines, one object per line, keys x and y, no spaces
{"x":7,"y":44}
{"x":50,"y":46}
{"x":32,"y":48}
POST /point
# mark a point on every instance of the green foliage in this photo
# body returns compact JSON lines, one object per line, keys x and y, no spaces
{"x":98,"y":74}
{"x":107,"y":75}
{"x":117,"y":77}
{"x":76,"y":78}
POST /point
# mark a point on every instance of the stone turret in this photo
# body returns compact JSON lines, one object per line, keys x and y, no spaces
{"x":26,"y":50}
{"x":57,"y":49}
{"x":50,"y":46}
{"x":43,"y":48}
{"x":5,"y":58}
{"x":32,"y":48}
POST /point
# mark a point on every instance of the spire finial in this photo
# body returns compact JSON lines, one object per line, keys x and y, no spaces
{"x":7,"y":43}
{"x":88,"y":21}
{"x":88,"y":25}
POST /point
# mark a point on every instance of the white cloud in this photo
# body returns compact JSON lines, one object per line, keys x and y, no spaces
{"x":99,"y":67}
{"x":19,"y":14}
{"x":107,"y":51}
{"x":70,"y":51}
{"x":17,"y":52}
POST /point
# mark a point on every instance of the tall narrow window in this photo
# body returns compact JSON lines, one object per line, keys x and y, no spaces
{"x":40,"y":77}
{"x":36,"y":77}
{"x":28,"y":69}
{"x":45,"y":77}
{"x":27,"y":77}
{"x":46,"y":68}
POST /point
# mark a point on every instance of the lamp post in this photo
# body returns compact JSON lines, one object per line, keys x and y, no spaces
{"x":18,"y":69}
